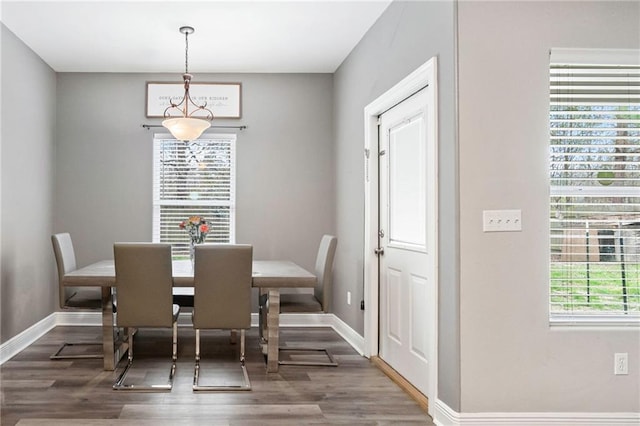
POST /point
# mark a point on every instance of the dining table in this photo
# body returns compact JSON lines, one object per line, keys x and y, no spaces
{"x":269,"y":276}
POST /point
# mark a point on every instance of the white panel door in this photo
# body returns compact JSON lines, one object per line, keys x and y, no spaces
{"x":407,"y":236}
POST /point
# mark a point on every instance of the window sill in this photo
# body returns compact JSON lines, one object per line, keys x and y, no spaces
{"x":593,"y":321}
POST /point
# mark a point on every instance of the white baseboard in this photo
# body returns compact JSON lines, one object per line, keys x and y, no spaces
{"x":286,"y":320}
{"x":347,"y":333}
{"x":79,"y":318}
{"x":443,"y":415}
{"x":303,"y":320}
{"x":33,"y":333}
{"x":17,"y":343}
{"x":321,"y":320}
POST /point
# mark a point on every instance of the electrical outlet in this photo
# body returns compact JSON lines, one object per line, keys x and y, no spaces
{"x":348,"y":298}
{"x":620,"y":363}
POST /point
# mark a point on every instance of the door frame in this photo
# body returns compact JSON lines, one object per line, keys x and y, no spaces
{"x":425,"y":75}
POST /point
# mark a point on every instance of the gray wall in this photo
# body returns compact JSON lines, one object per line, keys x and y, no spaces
{"x":512,"y":361}
{"x":497,"y":352}
{"x":405,"y":37}
{"x":285,"y":172}
{"x":27,"y":290}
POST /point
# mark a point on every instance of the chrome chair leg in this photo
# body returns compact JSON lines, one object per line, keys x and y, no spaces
{"x":331,"y":363}
{"x":245,"y":386}
{"x":120,"y":385}
{"x":60,"y":355}
{"x":196,"y":373}
{"x":174,"y":354}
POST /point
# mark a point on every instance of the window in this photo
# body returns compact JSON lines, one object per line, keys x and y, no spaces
{"x":189,"y":179}
{"x":595,"y":186}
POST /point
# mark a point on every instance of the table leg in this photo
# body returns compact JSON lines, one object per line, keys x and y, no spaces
{"x":114,"y":346}
{"x":107,"y":329}
{"x":263,"y":294}
{"x":273,"y":330}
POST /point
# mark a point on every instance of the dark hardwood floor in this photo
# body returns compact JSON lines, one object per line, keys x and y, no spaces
{"x":39,"y":391}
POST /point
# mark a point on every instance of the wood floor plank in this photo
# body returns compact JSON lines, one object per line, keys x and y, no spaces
{"x":114,"y":422}
{"x":37,"y":391}
{"x":236,"y":411}
{"x":26,"y":384}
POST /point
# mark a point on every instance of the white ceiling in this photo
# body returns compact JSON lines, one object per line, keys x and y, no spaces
{"x":231,"y":36}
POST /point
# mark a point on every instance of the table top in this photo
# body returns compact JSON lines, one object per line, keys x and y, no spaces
{"x":266,"y":274}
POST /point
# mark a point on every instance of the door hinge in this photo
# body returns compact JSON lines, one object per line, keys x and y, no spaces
{"x":381,"y":153}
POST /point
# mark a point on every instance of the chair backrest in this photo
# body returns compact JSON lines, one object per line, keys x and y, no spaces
{"x":324,"y":267}
{"x":222,"y":286}
{"x":144,"y":284}
{"x":65,"y":261}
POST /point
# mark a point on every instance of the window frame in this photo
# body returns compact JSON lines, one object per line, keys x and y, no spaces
{"x":577,"y":57}
{"x":180,"y":248}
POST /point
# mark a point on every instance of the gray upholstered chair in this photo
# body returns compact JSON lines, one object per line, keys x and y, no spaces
{"x":74,"y":298}
{"x":319,"y":301}
{"x":222,"y":299}
{"x":144,"y":282}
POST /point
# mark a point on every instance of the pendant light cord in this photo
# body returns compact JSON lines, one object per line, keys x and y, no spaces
{"x":186,"y":52}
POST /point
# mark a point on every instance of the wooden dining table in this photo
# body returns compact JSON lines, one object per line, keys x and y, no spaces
{"x":269,"y":276}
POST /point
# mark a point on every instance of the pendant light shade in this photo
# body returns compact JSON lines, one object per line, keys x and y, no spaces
{"x":187,"y":127}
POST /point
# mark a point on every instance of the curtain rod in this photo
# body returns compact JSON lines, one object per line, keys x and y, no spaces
{"x":149,"y":126}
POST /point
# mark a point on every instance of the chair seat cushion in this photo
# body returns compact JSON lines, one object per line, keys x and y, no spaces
{"x":85,"y":298}
{"x":299,"y":303}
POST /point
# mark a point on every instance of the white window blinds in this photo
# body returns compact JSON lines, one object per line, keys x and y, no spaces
{"x":595,"y":185}
{"x":194,"y":178}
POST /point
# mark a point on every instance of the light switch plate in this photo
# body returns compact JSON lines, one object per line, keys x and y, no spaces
{"x":502,"y":220}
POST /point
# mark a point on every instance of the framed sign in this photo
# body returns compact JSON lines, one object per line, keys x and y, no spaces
{"x":224,"y":99}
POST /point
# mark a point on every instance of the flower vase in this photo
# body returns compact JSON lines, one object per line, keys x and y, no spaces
{"x":192,"y":254}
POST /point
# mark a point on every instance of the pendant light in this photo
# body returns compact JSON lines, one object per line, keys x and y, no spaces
{"x":186,"y":127}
